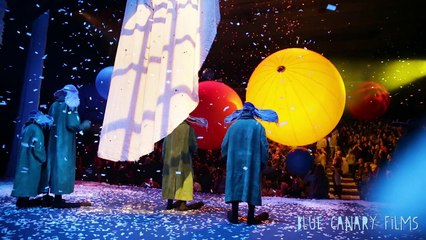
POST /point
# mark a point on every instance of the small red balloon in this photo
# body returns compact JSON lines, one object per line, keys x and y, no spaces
{"x":368,"y":101}
{"x":217,"y":101}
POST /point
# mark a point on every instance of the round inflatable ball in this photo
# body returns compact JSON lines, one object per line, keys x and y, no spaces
{"x":368,"y":101}
{"x":306,"y":91}
{"x":217,"y":101}
{"x":299,"y":162}
{"x":103,"y":81}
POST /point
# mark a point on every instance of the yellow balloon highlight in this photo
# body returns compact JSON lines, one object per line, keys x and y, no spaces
{"x":306,"y":91}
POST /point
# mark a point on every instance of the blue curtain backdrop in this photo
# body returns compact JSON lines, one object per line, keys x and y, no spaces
{"x":30,"y":92}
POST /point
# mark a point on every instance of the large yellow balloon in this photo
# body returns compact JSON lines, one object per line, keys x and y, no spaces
{"x":306,"y":91}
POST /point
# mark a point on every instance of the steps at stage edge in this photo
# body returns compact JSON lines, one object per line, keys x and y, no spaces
{"x":346,"y":197}
{"x":349,"y":187}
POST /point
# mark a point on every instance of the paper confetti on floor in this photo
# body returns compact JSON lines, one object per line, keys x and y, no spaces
{"x":128,"y":212}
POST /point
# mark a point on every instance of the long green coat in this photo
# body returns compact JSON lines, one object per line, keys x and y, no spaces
{"x":246,"y":148}
{"x":31,"y":156}
{"x":177,"y":163}
{"x":59,"y":174}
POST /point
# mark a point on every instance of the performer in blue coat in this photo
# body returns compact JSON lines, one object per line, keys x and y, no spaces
{"x":246,"y":149}
{"x":31,"y":157}
{"x":59,"y":175}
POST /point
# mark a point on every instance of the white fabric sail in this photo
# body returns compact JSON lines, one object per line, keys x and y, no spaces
{"x":154,"y":84}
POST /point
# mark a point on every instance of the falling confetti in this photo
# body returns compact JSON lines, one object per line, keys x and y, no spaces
{"x":137,"y":211}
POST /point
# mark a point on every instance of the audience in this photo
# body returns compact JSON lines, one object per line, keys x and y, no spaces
{"x":316,"y":183}
{"x":363,"y":148}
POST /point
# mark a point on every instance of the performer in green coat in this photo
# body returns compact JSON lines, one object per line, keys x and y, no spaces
{"x":61,"y":151}
{"x":246,"y":149}
{"x":177,"y":182}
{"x":31,"y":156}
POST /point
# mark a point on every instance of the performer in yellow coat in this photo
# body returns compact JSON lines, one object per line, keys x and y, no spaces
{"x":177,"y":182}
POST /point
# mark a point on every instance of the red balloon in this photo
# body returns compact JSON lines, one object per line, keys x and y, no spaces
{"x":217,"y":101}
{"x":368,"y":101}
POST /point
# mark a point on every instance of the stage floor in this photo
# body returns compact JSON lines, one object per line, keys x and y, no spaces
{"x":128,"y":212}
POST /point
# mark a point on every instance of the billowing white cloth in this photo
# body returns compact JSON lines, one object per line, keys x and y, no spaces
{"x":154,"y":84}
